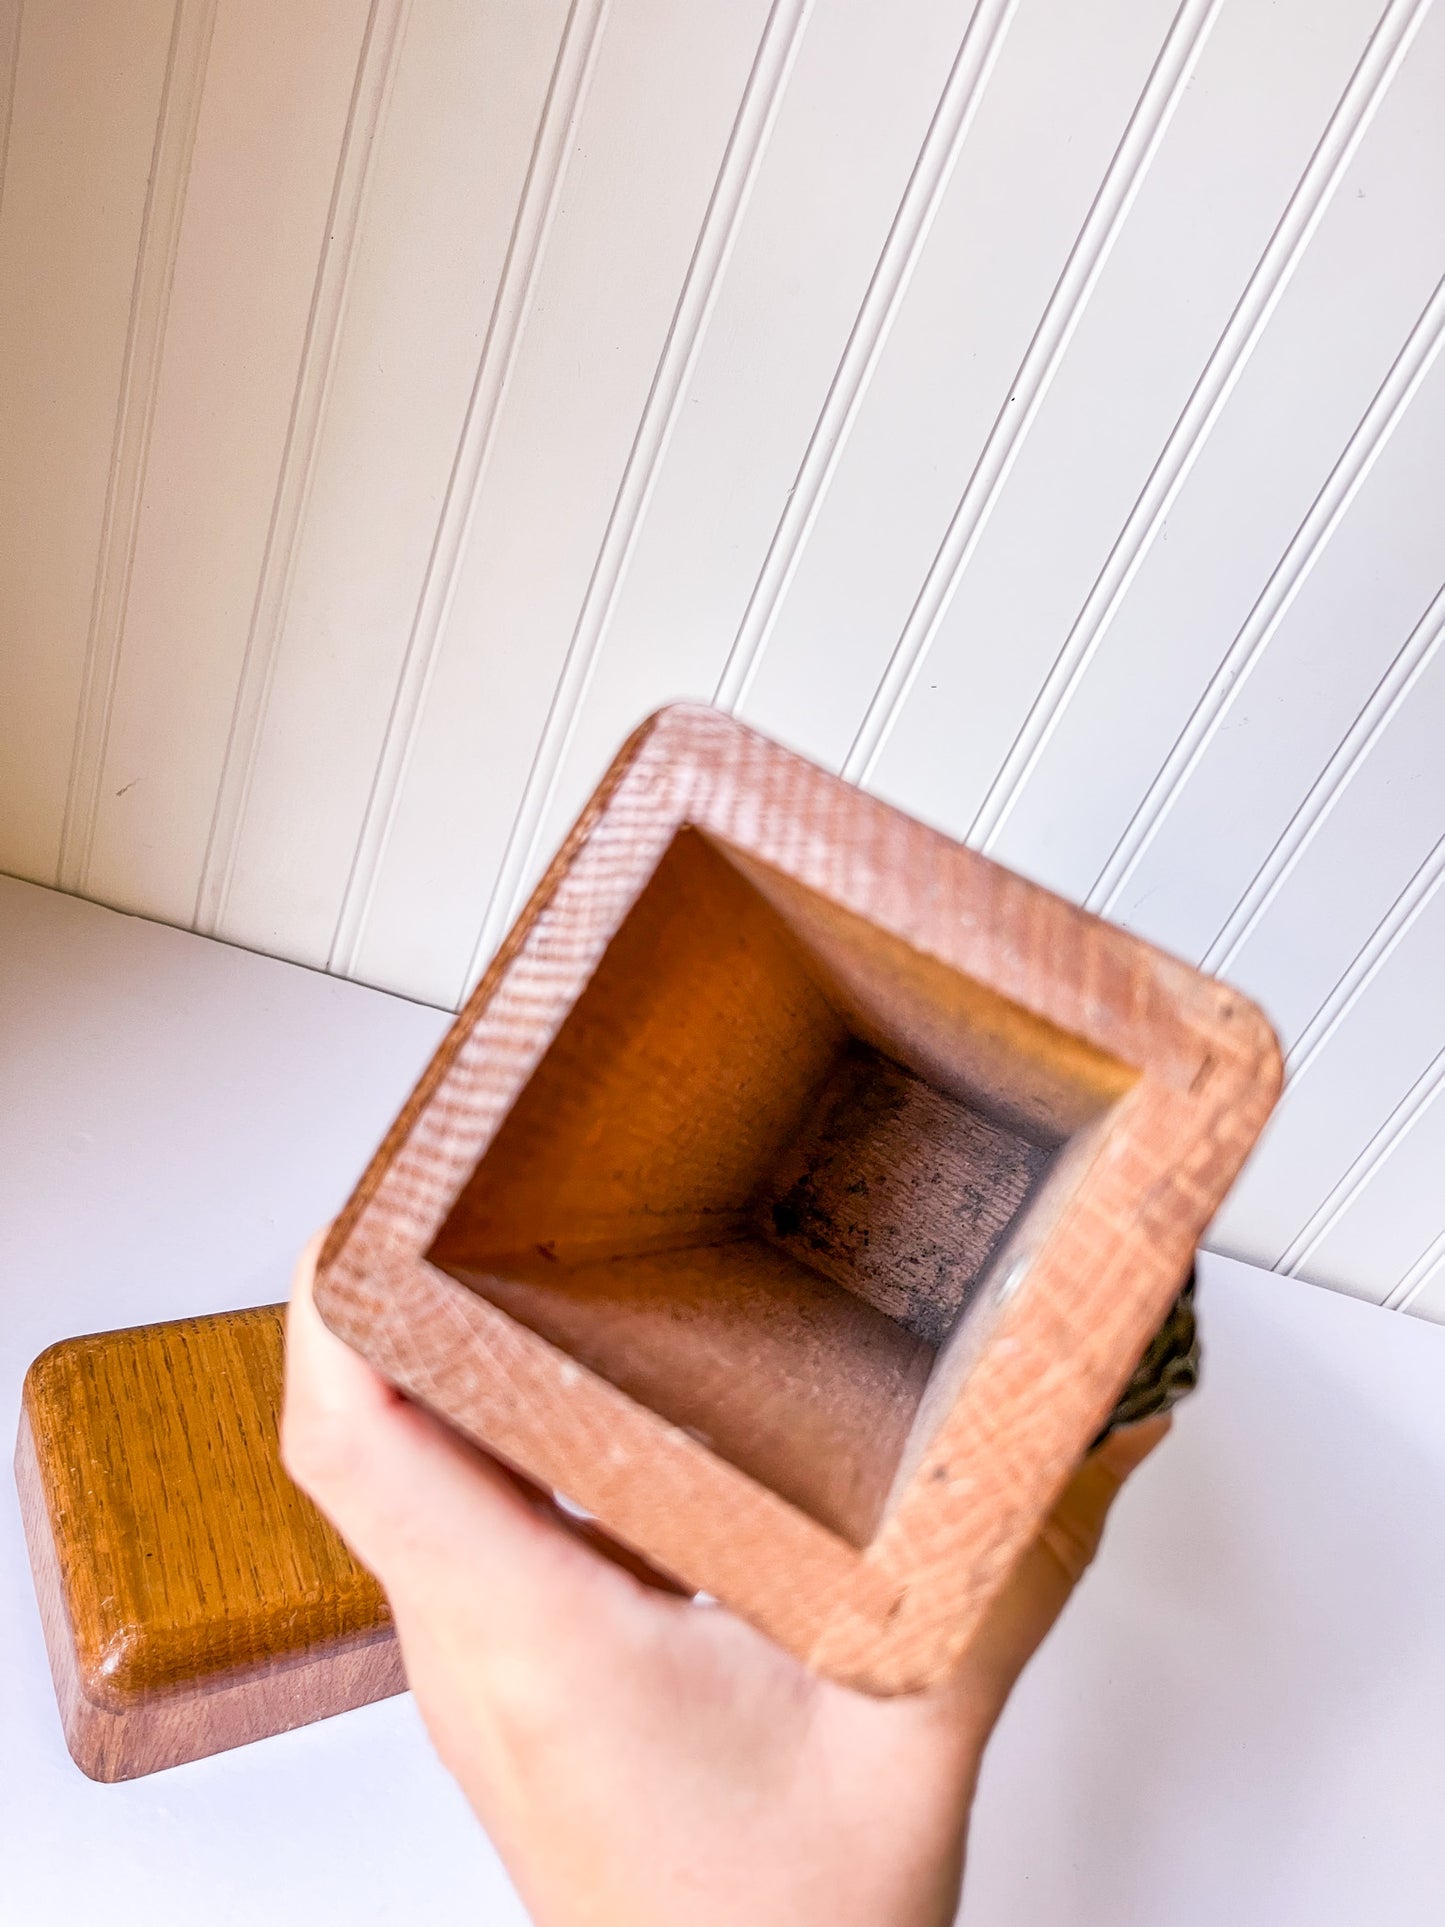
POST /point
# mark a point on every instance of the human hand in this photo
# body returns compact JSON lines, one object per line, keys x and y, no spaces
{"x":638,"y":1760}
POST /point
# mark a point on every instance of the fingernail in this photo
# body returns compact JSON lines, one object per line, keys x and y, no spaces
{"x":1125,"y":1450}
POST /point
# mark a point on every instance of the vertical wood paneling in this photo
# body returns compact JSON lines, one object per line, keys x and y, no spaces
{"x":420,"y":361}
{"x":667,"y":82}
{"x":1422,"y":1289}
{"x":1387,"y":1030}
{"x":1252,"y":314}
{"x":180,"y":107}
{"x":1346,"y":590}
{"x":1034,"y":411}
{"x":1252,"y":519}
{"x":1181,"y":305}
{"x":751,"y":132}
{"x":260,"y":181}
{"x":822,"y":253}
{"x":85,"y":93}
{"x":375,"y":74}
{"x":1380,"y":830}
{"x":1172,"y":73}
{"x":1386,"y":1210}
{"x":963,"y":327}
{"x":911,"y":229}
{"x":540,"y":200}
{"x":1344,"y":779}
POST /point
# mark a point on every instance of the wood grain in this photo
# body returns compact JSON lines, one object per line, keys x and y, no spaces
{"x":898,"y":1192}
{"x":192,"y":1598}
{"x":761,"y":1360}
{"x":797,"y":1192}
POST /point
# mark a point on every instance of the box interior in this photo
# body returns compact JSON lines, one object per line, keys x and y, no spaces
{"x":772,"y":1171}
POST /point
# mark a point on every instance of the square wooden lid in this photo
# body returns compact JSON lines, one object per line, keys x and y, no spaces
{"x":192,"y":1597}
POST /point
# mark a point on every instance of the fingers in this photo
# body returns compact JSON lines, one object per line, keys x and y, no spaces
{"x":1024,"y":1613}
{"x":437,"y":1522}
{"x":1073,"y":1530}
{"x":329,"y":1387}
{"x":449,"y":1532}
{"x":1125,"y":1450}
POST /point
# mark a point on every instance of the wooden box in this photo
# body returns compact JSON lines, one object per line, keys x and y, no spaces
{"x":796,"y":1193}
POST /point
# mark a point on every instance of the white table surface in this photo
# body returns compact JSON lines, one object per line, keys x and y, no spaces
{"x":1241,"y":1719}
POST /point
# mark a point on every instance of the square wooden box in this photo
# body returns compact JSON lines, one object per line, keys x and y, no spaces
{"x":796,"y":1193}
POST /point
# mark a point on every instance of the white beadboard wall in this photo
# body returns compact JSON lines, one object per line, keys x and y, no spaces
{"x":1032,"y":410}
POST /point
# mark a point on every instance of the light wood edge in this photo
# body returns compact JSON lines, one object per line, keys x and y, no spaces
{"x":1214,"y":1074}
{"x":445,"y":1057}
{"x":424,"y":1331}
{"x":1042,"y":1384}
{"x":111,"y":1742}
